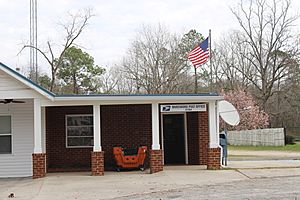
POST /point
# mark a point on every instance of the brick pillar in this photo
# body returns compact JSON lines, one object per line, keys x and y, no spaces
{"x":214,"y":158}
{"x":156,"y":161}
{"x":97,"y":159}
{"x":203,"y":137}
{"x":38,"y":165}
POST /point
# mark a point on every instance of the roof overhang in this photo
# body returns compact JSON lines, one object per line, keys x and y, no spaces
{"x":130,"y":99}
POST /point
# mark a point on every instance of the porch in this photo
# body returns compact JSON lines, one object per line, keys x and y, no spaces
{"x":45,"y":128}
{"x":128,"y":125}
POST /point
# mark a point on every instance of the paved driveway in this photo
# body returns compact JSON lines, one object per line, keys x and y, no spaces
{"x":186,"y":180}
{"x":82,"y":186}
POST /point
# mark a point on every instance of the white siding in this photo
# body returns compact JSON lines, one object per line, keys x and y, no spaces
{"x":19,"y":163}
{"x":11,"y":88}
{"x":9,"y":84}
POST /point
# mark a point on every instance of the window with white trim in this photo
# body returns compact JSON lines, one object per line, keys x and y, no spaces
{"x":5,"y":135}
{"x":79,"y":131}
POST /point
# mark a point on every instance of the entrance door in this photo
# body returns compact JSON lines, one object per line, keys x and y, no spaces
{"x":174,"y":144}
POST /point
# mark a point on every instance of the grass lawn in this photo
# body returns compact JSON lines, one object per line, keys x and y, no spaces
{"x":289,"y":147}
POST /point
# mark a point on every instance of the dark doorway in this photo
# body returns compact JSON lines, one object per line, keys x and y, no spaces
{"x":173,"y":133}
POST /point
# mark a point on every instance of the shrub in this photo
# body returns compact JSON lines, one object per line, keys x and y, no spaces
{"x":289,"y":139}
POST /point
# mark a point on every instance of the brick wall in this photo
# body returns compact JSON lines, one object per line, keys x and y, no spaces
{"x":97,"y":159}
{"x":38,"y":165}
{"x":213,"y":161}
{"x":193,"y":138}
{"x":156,"y":161}
{"x":198,"y":137}
{"x":60,"y":158}
{"x":126,"y":126}
{"x":121,"y":125}
{"x":203,"y":136}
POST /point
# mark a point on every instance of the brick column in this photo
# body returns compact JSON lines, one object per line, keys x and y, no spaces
{"x":214,"y":158}
{"x":203,"y":137}
{"x":38,"y":165}
{"x":97,"y":158}
{"x":156,"y":161}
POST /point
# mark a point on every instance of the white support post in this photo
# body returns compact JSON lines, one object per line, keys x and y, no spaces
{"x":97,"y":128}
{"x":218,"y":121}
{"x":43,"y":126}
{"x":155,"y":127}
{"x":37,"y":126}
{"x":213,"y":134}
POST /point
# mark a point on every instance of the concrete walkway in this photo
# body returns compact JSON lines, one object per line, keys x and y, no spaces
{"x":82,"y":186}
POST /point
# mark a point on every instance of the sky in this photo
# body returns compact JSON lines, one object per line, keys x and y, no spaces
{"x":113,"y":26}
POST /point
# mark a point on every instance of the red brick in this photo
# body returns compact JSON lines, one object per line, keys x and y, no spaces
{"x":121,"y":125}
{"x":198,"y":137}
{"x":97,"y":159}
{"x":126,"y":126}
{"x":60,"y":158}
{"x":156,"y":161}
{"x":213,"y":161}
{"x":38,"y":165}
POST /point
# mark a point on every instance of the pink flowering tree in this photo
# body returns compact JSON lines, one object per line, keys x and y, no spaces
{"x":251,"y":117}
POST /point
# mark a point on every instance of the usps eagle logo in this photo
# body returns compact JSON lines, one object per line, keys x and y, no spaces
{"x":166,"y":108}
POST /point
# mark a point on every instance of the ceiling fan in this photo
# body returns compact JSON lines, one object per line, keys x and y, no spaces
{"x":7,"y":101}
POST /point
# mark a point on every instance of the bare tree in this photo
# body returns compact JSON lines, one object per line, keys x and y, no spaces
{"x":73,"y":29}
{"x":153,"y":62}
{"x":271,"y":43}
{"x":283,"y":106}
{"x":110,"y":80}
{"x":226,"y":58}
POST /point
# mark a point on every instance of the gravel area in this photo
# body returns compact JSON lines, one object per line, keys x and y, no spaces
{"x":264,"y":188}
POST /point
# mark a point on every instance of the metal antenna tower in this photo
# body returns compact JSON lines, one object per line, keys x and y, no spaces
{"x":33,"y":41}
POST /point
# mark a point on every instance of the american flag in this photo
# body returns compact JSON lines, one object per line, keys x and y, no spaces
{"x":199,"y":54}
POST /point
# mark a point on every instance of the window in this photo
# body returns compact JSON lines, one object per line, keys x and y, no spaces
{"x":79,"y":130}
{"x":5,"y":135}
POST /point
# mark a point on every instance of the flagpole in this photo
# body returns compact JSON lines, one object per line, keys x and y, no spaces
{"x":196,"y":81}
{"x":210,"y":65}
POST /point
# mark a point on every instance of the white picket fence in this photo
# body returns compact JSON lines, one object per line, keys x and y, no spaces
{"x":258,"y":137}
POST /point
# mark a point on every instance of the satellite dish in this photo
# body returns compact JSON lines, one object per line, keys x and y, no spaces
{"x":228,"y":113}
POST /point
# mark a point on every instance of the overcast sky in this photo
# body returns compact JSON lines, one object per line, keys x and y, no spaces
{"x":113,"y":27}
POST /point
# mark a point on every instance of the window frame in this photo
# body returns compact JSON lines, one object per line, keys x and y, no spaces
{"x":66,"y":130}
{"x":11,"y":133}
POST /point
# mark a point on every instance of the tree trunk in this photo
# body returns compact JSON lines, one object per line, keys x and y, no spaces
{"x":52,"y":81}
